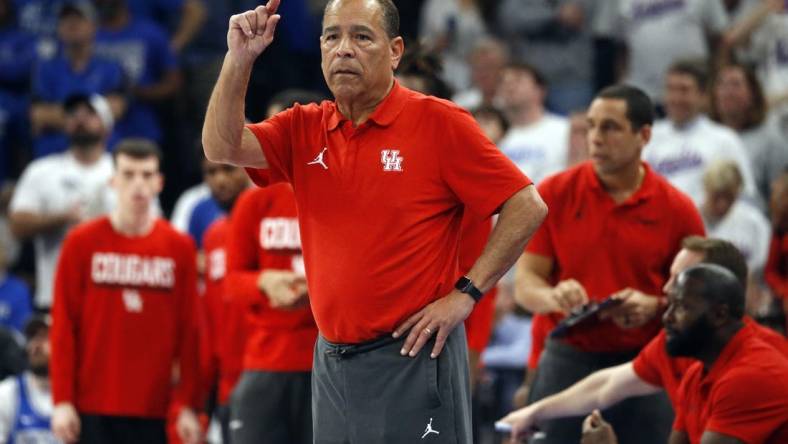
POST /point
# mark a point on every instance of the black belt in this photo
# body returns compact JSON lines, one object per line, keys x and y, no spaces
{"x":348,"y":350}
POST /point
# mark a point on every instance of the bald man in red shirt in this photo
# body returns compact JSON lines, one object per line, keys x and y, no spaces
{"x":382,"y":177}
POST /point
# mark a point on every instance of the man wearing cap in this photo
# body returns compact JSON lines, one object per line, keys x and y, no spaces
{"x":75,"y":70}
{"x":59,"y":190}
{"x":26,"y":399}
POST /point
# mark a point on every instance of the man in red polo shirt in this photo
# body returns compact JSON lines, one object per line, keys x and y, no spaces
{"x":613,"y":230}
{"x":382,"y":177}
{"x":653,"y":369}
{"x":124,"y":317}
{"x":737,"y":392}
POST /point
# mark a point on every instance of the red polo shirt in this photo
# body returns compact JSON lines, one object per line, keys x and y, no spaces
{"x":608,"y":247}
{"x":656,"y":367}
{"x":742,"y":395}
{"x":380,"y":205}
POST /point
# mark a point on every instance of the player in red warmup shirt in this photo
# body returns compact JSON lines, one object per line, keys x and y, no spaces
{"x":264,"y":242}
{"x":124,"y":318}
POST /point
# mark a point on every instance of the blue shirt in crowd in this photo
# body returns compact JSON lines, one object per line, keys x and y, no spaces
{"x":15,"y":303}
{"x":54,"y":80}
{"x":203,"y":215}
{"x":143,"y":50}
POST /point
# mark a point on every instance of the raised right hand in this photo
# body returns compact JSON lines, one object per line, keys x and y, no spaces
{"x":65,"y":423}
{"x":568,"y":295}
{"x":251,"y":32}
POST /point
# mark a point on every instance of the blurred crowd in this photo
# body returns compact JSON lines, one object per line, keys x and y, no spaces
{"x":77,"y":78}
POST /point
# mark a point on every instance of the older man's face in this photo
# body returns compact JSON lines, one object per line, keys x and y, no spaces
{"x":358,"y":58}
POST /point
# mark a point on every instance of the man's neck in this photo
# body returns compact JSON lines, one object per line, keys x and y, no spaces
{"x":88,"y":156}
{"x":683,"y":124}
{"x":711,"y":353}
{"x":526,"y":115}
{"x":734,"y":120}
{"x":41,"y":382}
{"x":79,"y":56}
{"x":623,"y":183}
{"x":131,"y":223}
{"x":358,"y":110}
{"x":118,"y":22}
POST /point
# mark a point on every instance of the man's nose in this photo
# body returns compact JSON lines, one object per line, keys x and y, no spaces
{"x":345,"y":47}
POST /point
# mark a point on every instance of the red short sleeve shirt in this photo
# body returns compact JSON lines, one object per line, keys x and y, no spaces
{"x":608,"y":247}
{"x":655,"y":366}
{"x":380,"y":204}
{"x":742,"y":395}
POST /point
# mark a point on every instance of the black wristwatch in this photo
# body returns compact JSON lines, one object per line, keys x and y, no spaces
{"x":466,"y":286}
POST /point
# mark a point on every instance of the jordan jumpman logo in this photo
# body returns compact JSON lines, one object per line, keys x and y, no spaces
{"x":319,"y":159}
{"x":429,"y":430}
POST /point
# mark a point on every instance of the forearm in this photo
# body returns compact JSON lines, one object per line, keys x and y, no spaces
{"x":222,"y":131}
{"x":161,"y":90}
{"x":532,"y":291}
{"x":46,"y":116}
{"x":579,"y":399}
{"x":25,"y":224}
{"x":519,"y":218}
{"x":740,"y":32}
{"x":194,"y":14}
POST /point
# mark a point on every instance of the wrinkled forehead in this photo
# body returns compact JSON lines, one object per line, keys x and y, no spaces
{"x":353,"y":13}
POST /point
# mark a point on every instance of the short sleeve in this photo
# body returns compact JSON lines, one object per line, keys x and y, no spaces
{"x":42,"y":83}
{"x":646,"y":364}
{"x":27,"y":195}
{"x":273,"y":134}
{"x":541,"y":243}
{"x":481,"y":176}
{"x":164,"y":58}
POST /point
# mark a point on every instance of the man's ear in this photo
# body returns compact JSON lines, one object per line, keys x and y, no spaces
{"x":397,"y":47}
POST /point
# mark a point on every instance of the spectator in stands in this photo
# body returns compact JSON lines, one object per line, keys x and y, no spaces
{"x":492,"y":121}
{"x":224,"y":182}
{"x":738,"y":102}
{"x":728,"y":217}
{"x":763,"y":36}
{"x":564,"y":268}
{"x":556,"y":37}
{"x":486,"y":61}
{"x":450,"y":28}
{"x":76,"y":69}
{"x":651,"y":50}
{"x":16,"y":302}
{"x":777,"y":265}
{"x":39,"y":18}
{"x":184,"y":17}
{"x":17,"y":52}
{"x":142,"y":48}
{"x":26,"y":399}
{"x":420,"y":70}
{"x":537,"y":139}
{"x":113,"y":381}
{"x":686,"y":142}
{"x":61,"y":190}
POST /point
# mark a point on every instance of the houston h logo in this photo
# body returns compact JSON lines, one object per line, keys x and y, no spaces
{"x":391,"y":160}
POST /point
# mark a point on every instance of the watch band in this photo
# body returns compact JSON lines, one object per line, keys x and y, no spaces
{"x":465,"y":285}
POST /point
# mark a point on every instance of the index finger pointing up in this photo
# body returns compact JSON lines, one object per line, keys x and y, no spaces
{"x":272,"y":6}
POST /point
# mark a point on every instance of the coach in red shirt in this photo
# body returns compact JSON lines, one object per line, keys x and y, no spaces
{"x":124,"y":317}
{"x":737,"y":392}
{"x":382,"y":177}
{"x":613,"y":229}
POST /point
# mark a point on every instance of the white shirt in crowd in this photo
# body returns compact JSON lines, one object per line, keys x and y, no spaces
{"x":659,"y":32}
{"x":748,"y":229}
{"x":769,"y":47}
{"x":539,"y":149}
{"x":40,"y":398}
{"x":682,"y":155}
{"x":55,"y":184}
